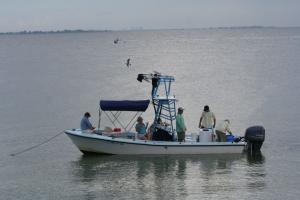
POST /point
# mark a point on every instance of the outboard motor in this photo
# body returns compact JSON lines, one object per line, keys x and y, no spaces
{"x":255,"y":137}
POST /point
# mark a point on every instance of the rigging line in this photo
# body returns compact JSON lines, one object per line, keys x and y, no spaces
{"x":37,"y":145}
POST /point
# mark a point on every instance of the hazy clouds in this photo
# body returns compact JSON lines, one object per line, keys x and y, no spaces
{"x":17,"y":15}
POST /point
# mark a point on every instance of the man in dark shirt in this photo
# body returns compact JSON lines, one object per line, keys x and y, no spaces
{"x":155,"y":80}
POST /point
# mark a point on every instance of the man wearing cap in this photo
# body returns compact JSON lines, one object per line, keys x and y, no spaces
{"x":85,"y":123}
{"x":180,"y":125}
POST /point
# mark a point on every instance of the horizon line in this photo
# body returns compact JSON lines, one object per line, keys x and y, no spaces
{"x":134,"y":29}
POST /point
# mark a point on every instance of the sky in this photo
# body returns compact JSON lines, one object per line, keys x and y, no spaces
{"x":46,"y":15}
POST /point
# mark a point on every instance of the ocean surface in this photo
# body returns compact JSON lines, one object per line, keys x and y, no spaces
{"x":249,"y":75}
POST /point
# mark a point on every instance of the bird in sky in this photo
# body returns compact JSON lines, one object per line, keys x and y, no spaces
{"x":128,"y":64}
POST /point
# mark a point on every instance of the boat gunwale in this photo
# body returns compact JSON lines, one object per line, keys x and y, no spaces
{"x":151,"y":143}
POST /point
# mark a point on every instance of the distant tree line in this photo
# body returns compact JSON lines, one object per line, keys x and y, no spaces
{"x":49,"y":32}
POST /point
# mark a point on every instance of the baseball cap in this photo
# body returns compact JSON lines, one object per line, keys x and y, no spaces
{"x":180,"y":108}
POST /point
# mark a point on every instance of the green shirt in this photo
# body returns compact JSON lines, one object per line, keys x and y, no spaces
{"x":180,"y":126}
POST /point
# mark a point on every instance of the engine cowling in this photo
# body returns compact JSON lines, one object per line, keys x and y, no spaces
{"x":255,"y":137}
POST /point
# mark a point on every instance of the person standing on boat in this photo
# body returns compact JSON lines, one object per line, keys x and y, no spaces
{"x":222,"y":129}
{"x":85,"y":123}
{"x":155,"y":80}
{"x":180,"y":125}
{"x":141,"y":128}
{"x":207,"y":119}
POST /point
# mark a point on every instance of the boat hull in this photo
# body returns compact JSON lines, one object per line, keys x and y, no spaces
{"x":93,"y":143}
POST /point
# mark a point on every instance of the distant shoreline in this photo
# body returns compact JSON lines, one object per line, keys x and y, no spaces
{"x":52,"y":32}
{"x":141,"y":29}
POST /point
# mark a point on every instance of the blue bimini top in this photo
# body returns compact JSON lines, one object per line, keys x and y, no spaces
{"x":124,"y":105}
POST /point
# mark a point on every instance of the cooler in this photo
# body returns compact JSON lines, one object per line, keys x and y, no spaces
{"x":229,"y":138}
{"x":205,"y":135}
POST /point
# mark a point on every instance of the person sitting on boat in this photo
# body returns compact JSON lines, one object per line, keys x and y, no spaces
{"x":207,"y":119}
{"x":221,"y":130}
{"x":151,"y":129}
{"x":180,"y":125}
{"x":141,"y":128}
{"x":85,"y":123}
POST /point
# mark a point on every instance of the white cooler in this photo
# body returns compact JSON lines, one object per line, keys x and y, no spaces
{"x":205,"y":135}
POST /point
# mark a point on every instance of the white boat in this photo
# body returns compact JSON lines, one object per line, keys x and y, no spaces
{"x":164,"y":137}
{"x":88,"y":142}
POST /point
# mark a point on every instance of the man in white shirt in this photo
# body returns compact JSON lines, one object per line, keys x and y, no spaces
{"x":207,"y":119}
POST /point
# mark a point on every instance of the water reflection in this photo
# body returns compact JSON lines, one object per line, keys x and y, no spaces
{"x":257,"y":158}
{"x":86,"y":167}
{"x":256,"y":172}
{"x":167,"y":177}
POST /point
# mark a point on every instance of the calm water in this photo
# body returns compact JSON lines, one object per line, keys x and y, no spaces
{"x":47,"y":81}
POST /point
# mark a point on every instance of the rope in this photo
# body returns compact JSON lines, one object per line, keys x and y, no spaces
{"x":37,"y":145}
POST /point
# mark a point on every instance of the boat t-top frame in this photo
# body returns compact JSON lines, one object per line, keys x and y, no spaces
{"x":163,"y":102}
{"x":113,"y":110}
{"x":164,"y":105}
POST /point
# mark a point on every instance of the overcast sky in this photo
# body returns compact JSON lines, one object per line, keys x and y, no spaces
{"x":18,"y":15}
